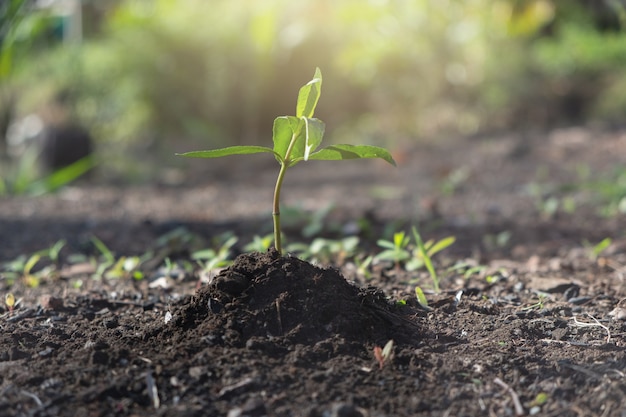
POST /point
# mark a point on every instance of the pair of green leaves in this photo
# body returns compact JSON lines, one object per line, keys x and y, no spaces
{"x":296,"y":138}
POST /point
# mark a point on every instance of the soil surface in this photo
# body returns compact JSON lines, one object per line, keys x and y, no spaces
{"x":529,"y":320}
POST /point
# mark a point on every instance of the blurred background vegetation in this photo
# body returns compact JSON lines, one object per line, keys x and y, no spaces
{"x":148,"y":78}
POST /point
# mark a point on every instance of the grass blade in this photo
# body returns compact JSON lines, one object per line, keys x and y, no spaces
{"x":427,"y":262}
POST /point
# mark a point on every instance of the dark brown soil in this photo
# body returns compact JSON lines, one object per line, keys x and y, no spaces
{"x":539,"y":329}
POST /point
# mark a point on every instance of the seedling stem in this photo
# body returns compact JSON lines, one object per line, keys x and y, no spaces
{"x":279,"y":183}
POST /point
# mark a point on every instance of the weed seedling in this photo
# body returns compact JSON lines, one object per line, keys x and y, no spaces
{"x":259,"y":243}
{"x":383,"y":355}
{"x":539,"y":305}
{"x":9,"y":300}
{"x":421,"y":298}
{"x":363,"y":266}
{"x":324,"y":250}
{"x":125,"y":267}
{"x":212,"y":259}
{"x":396,"y":250}
{"x":470,"y":269}
{"x":21,"y":268}
{"x":426,"y":251}
{"x":596,"y":250}
{"x":53,"y":251}
{"x":296,"y":139}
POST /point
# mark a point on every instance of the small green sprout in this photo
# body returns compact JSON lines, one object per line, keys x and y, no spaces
{"x":426,"y":251}
{"x":29,"y":277}
{"x":399,"y":250}
{"x":110,"y":267}
{"x":259,"y":243}
{"x":540,"y":399}
{"x":596,"y":250}
{"x":296,"y":139}
{"x":53,"y":251}
{"x":109,"y":257}
{"x":324,"y":250}
{"x":429,"y":249}
{"x":125,"y":267}
{"x":210,"y":259}
{"x":384,"y":354}
{"x":396,"y":250}
{"x":21,"y":268}
{"x":9,"y":300}
{"x":539,"y":305}
{"x":421,"y":298}
{"x":470,"y":269}
{"x":363,"y":266}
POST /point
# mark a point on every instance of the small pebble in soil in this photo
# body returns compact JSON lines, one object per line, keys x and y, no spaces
{"x":214,"y":306}
{"x":254,"y":407}
{"x":46,"y":352}
{"x":618,"y":313}
{"x":345,"y":410}
{"x":579,"y":300}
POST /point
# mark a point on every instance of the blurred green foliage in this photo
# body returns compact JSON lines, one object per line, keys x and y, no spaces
{"x":153,"y":72}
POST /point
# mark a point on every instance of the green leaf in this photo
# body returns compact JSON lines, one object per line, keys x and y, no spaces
{"x":232,"y":150}
{"x":340,"y":152}
{"x":309,"y":95}
{"x":400,"y":240}
{"x":305,"y":133}
{"x":284,"y":130}
{"x":427,"y":262}
{"x":441,"y":245}
{"x":421,"y":298}
{"x":314,"y":132}
{"x":53,"y":252}
{"x":62,"y":176}
{"x":31,"y":263}
{"x":600,"y":247}
{"x":385,"y":244}
{"x":103,"y":249}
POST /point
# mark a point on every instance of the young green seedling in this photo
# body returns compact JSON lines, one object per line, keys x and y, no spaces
{"x":296,"y":139}
{"x":21,"y":268}
{"x":259,"y":243}
{"x":596,"y":250}
{"x":211,"y":259}
{"x":396,"y":250}
{"x":426,"y":251}
{"x":421,"y":298}
{"x":9,"y":300}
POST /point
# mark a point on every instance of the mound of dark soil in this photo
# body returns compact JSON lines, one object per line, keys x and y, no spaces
{"x":266,"y":297}
{"x":204,"y":354}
